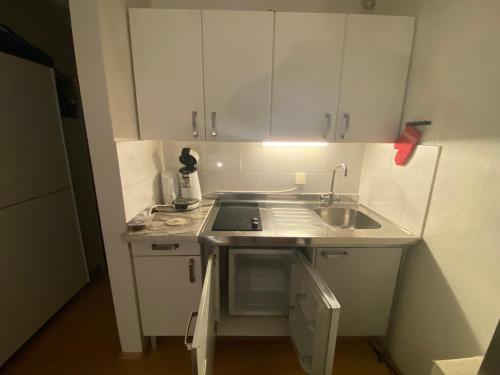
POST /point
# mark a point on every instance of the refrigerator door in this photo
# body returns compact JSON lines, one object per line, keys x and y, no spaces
{"x":41,"y":265}
{"x":313,"y":318}
{"x":202,"y":346}
{"x":32,"y":152}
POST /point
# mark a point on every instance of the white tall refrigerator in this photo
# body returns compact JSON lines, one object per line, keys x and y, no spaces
{"x":42,"y":263}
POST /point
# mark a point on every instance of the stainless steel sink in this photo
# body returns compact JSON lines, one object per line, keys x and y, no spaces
{"x":346,"y":218}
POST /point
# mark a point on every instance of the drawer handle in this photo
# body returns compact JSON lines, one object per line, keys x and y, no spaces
{"x":188,"y":341}
{"x":161,"y":246}
{"x":334,"y":254}
{"x":192,"y":278}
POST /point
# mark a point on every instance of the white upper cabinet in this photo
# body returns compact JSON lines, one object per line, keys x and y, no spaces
{"x":306,"y":75}
{"x":237,"y":62}
{"x":254,"y":75}
{"x":167,"y":56}
{"x":376,"y":57}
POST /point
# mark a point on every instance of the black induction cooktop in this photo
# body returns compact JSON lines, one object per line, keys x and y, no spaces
{"x":238,"y":216}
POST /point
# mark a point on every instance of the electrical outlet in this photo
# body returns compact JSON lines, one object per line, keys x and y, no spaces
{"x":300,"y":178}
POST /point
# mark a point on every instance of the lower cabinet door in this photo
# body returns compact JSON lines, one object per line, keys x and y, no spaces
{"x":364,"y":281}
{"x":202,"y":346}
{"x":168,"y":289}
{"x":313,"y":318}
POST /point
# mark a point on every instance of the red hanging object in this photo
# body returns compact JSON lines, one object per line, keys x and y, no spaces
{"x":406,"y":143}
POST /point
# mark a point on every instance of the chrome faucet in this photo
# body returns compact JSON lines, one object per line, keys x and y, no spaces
{"x":331,"y":196}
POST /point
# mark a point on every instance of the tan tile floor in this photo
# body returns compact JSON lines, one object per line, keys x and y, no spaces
{"x":82,"y":340}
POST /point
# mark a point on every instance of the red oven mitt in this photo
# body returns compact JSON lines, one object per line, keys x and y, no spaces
{"x":406,"y":143}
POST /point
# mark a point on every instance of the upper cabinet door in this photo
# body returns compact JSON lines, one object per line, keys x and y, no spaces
{"x":237,"y":58}
{"x":306,"y":75}
{"x":313,"y":317}
{"x":374,"y":71}
{"x":167,"y":55}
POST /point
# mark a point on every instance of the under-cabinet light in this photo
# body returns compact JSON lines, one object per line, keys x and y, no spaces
{"x":294,"y":144}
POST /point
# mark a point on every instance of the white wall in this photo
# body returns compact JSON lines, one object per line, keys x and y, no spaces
{"x":140,"y":163}
{"x":250,"y":166}
{"x":449,"y":300}
{"x":400,"y":193}
{"x":341,"y":6}
{"x":87,"y":19}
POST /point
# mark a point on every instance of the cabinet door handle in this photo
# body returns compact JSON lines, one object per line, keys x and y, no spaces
{"x":192,"y":277}
{"x":187,"y":340}
{"x":334,"y":254}
{"x":347,"y":119}
{"x":165,"y":246}
{"x":194,"y":118}
{"x":328,"y":124}
{"x":214,"y":129}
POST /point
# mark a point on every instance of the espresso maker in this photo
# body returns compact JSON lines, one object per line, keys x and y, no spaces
{"x":189,"y":183}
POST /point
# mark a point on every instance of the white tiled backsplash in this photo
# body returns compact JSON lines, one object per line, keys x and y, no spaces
{"x":140,"y":164}
{"x":249,"y":166}
{"x":400,"y":193}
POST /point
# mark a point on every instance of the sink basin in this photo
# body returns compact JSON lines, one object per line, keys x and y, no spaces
{"x":346,"y":218}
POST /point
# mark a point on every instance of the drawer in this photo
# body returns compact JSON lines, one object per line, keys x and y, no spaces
{"x":166,"y":249}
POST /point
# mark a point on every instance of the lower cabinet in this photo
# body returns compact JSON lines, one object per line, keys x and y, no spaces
{"x":265,"y":292}
{"x":311,"y":312}
{"x":169,"y":284}
{"x":364,"y":281}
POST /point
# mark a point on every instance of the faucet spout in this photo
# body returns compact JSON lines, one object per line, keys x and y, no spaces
{"x":332,"y":197}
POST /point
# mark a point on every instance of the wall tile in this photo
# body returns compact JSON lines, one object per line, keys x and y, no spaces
{"x":142,"y":195}
{"x":400,"y":193}
{"x":316,"y":183}
{"x":256,"y":158}
{"x":220,"y":156}
{"x":349,"y":153}
{"x":413,"y":211}
{"x":383,"y":196}
{"x":240,"y":181}
{"x":305,"y":159}
{"x":378,"y":159}
{"x":138,"y":160}
{"x":418,"y":173}
{"x":277,"y":181}
{"x":140,"y":164}
{"x":210,"y":182}
{"x":264,"y":162}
